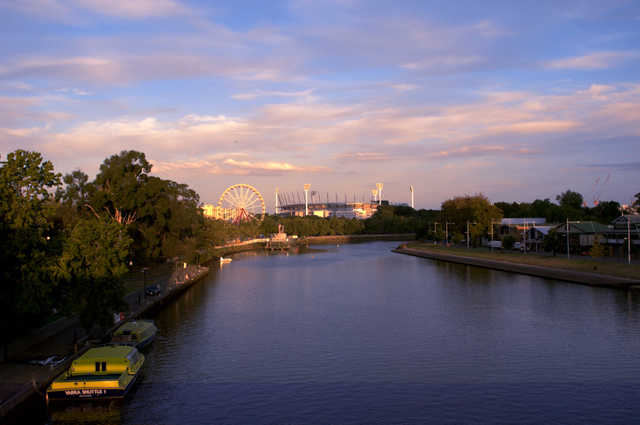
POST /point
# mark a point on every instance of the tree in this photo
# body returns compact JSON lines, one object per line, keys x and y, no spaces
{"x":93,"y":266}
{"x":508,"y":241}
{"x":513,"y":210}
{"x":26,"y":209}
{"x":570,"y":199}
{"x":605,"y":212}
{"x":551,"y":242}
{"x":118,"y":187}
{"x":72,"y":200}
{"x":597,"y":249}
{"x":471,"y":209}
{"x":539,"y":208}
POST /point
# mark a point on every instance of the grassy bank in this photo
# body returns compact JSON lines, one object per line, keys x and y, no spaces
{"x":589,"y":265}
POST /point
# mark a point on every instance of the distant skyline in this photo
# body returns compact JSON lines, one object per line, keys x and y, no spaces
{"x":515,"y":100}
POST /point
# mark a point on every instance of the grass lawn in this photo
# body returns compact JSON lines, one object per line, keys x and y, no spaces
{"x":591,"y":265}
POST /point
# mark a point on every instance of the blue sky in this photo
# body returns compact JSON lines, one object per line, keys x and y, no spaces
{"x":517,"y":100}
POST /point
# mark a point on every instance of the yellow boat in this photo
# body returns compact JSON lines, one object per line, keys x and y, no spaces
{"x":138,"y":332}
{"x":105,"y":372}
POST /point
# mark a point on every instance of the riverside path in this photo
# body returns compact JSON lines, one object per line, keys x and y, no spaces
{"x":25,"y":377}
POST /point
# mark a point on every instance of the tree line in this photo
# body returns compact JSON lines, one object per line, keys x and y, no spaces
{"x":68,"y":242}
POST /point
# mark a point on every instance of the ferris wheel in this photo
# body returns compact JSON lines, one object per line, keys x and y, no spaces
{"x":242,"y":202}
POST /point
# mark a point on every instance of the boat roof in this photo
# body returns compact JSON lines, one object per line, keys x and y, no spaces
{"x":113,"y":351}
{"x":134,"y":326}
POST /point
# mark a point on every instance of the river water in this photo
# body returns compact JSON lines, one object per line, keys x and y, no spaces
{"x":355,"y":334}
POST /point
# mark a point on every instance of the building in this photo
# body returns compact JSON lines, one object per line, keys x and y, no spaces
{"x":582,"y":235}
{"x":623,"y":236}
{"x":359,"y":210}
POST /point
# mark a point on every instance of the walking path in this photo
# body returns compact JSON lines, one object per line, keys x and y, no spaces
{"x":30,"y":373}
{"x":592,"y":279}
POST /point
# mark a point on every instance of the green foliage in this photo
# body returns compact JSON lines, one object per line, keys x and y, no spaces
{"x":473,"y":213}
{"x":570,"y":199}
{"x":551,"y":241}
{"x":26,"y":212}
{"x":605,"y":212}
{"x":508,"y":241}
{"x":93,"y":266}
{"x":598,"y":249}
{"x":119,"y":187}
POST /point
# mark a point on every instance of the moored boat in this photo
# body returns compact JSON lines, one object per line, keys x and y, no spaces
{"x":137,"y":332}
{"x":104,"y":372}
{"x":225,"y":260}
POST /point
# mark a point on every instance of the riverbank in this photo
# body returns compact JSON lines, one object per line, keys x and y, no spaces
{"x":585,"y":272}
{"x":25,"y":376}
{"x":355,"y":238}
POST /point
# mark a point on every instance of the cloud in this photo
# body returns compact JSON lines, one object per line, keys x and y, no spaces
{"x":363,"y":156}
{"x":133,"y":9}
{"x":273,"y":166}
{"x":306,"y":94}
{"x":468,"y":151}
{"x":593,"y":61}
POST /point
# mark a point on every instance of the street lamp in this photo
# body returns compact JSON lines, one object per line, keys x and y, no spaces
{"x":144,"y":272}
{"x":379,"y":186}
{"x":468,"y":233}
{"x":568,"y":240}
{"x":446,"y":236}
{"x":306,"y":199}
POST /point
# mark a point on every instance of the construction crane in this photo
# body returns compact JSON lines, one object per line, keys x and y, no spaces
{"x":596,"y":199}
{"x":586,"y":198}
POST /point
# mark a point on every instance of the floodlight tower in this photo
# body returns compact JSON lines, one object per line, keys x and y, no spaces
{"x":306,"y":199}
{"x":375,"y":194}
{"x":411,"y":187}
{"x":379,"y":186}
{"x":276,"y":200}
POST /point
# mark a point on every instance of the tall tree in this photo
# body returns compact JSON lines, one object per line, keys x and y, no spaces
{"x":570,"y":199}
{"x":93,"y":267}
{"x":117,"y":189}
{"x":25,"y":211}
{"x":475,"y":211}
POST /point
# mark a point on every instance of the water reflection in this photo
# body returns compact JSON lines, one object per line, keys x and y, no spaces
{"x":375,"y":336}
{"x":93,"y":413}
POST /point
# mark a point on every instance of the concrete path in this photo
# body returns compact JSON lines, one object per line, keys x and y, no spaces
{"x":592,"y":279}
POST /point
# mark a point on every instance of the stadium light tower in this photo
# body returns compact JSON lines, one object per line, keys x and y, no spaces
{"x":411,"y":187}
{"x":306,"y":199}
{"x":276,"y":200}
{"x":379,"y":186}
{"x":375,"y":194}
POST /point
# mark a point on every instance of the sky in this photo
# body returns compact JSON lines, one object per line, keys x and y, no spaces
{"x":516,"y":100}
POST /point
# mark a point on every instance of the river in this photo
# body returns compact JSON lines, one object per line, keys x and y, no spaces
{"x":355,"y":334}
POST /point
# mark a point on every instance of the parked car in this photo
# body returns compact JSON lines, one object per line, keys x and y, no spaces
{"x":153,"y":290}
